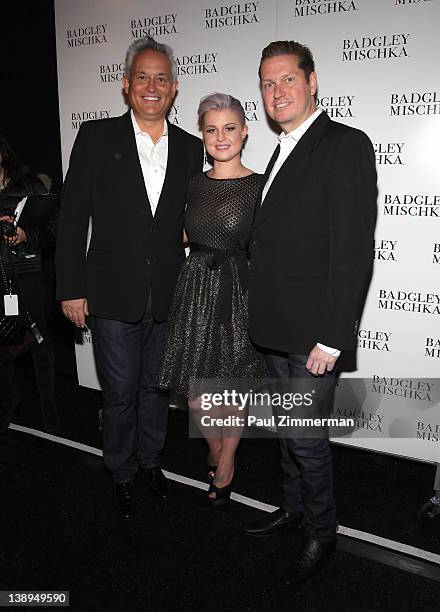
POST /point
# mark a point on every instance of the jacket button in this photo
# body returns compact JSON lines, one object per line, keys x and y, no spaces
{"x":254,"y":242}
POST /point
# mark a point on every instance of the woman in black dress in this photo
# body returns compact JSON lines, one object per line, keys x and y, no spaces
{"x":207,"y":334}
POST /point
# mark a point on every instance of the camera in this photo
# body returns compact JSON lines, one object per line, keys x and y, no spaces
{"x":7,"y":229}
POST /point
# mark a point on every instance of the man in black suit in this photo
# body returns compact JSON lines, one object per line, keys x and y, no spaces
{"x":311,"y":254}
{"x":130,"y":175}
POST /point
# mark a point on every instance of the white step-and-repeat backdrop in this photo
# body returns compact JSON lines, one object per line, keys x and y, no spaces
{"x":377,"y":63}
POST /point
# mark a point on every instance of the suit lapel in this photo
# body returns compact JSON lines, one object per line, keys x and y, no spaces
{"x":271,"y":164}
{"x":266,"y":175}
{"x":133,"y":182}
{"x":292,"y":168}
{"x":176,"y":157}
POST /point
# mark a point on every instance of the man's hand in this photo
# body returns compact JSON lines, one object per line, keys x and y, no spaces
{"x":76,"y":311}
{"x":319,"y":361}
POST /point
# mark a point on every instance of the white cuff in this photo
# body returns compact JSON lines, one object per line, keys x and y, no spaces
{"x":329,"y":349}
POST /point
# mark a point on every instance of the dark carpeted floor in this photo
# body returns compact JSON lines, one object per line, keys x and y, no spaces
{"x":59,"y":531}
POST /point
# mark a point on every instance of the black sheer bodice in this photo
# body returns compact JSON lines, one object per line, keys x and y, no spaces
{"x":220,"y":211}
{"x":207,"y":333}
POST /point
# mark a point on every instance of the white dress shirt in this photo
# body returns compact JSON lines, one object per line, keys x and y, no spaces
{"x":153,"y":158}
{"x":287,"y":143}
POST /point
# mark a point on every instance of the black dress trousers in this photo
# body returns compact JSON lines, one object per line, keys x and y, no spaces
{"x":135,"y":411}
{"x":307,"y":462}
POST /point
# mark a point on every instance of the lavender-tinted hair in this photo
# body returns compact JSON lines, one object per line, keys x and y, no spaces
{"x":149,"y":44}
{"x":220,"y":101}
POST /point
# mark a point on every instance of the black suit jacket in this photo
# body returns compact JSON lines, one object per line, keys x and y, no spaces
{"x":130,"y":252}
{"x":312,"y":247}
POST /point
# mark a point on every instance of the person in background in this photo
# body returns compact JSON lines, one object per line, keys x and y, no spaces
{"x":32,"y":213}
{"x":130,"y":175}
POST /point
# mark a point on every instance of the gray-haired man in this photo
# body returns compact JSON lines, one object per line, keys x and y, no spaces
{"x":130,"y":175}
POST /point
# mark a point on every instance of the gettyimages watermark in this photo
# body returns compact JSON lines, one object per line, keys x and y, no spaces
{"x":232,"y":397}
{"x":395,"y":407}
{"x":284,"y":403}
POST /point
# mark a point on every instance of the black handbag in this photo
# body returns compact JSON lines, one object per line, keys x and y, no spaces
{"x":25,"y":262}
{"x":11,"y":332}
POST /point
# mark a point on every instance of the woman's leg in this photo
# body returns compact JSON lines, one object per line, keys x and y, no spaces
{"x":230,"y":436}
{"x":212,"y":435}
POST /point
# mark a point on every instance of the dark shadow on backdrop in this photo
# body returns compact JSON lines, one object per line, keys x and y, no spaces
{"x":29,"y":115}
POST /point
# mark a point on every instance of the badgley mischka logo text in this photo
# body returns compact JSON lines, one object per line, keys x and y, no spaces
{"x":173,"y":115}
{"x":110,"y":73}
{"x":428,"y":431}
{"x":231,"y":15}
{"x":159,"y":25}
{"x":308,"y":8}
{"x":374,"y":340}
{"x":415,"y":103}
{"x":409,"y":388}
{"x":382,"y":46}
{"x":388,"y":153}
{"x":432,"y":348}
{"x":385,"y":250}
{"x":411,"y":205}
{"x":197,"y":63}
{"x":252,"y":110}
{"x":370,"y":421}
{"x":403,"y":2}
{"x":409,"y":301}
{"x":87,"y":35}
{"x":78,"y":118}
{"x":337,"y":106}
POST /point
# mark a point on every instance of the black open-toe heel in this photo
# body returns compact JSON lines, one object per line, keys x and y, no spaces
{"x":222,"y":494}
{"x":210,"y":468}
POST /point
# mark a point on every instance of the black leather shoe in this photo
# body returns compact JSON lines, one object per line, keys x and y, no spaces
{"x":124,"y":499}
{"x":273,"y":522}
{"x":156,"y":480}
{"x":312,"y":557}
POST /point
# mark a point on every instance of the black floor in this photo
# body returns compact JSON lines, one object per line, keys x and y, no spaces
{"x":59,"y":531}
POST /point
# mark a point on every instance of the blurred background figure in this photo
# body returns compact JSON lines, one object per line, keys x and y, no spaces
{"x":27,"y":251}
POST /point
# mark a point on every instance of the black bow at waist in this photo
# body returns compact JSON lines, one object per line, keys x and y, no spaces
{"x":220,"y":259}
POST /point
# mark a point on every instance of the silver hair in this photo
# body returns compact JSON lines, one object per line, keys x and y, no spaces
{"x":220,"y":101}
{"x":145,"y":44}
